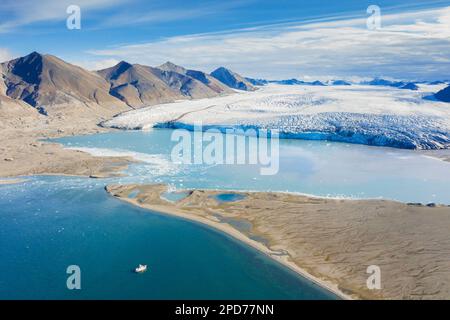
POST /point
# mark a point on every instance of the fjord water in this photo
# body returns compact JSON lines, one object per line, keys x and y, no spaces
{"x":49,"y":223}
{"x":312,"y":167}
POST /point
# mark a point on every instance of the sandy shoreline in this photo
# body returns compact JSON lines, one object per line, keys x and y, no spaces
{"x":330,"y":242}
{"x":25,"y":152}
{"x":11,"y":181}
{"x":317,"y":233}
{"x":227,"y":229}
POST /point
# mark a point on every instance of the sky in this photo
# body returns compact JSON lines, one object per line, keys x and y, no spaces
{"x":274,"y":39}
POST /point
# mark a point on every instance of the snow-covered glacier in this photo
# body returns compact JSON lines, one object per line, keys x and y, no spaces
{"x":381,"y":116}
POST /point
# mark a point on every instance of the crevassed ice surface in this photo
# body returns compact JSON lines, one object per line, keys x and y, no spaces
{"x":372,"y":115}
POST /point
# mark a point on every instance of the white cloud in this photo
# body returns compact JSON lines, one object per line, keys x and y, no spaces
{"x":96,"y":64}
{"x":5,"y":55}
{"x":18,"y":13}
{"x":409,"y":45}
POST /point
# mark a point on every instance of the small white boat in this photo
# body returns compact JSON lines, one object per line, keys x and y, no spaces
{"x":141,"y":268}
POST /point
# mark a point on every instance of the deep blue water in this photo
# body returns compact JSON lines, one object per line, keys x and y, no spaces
{"x":49,"y":223}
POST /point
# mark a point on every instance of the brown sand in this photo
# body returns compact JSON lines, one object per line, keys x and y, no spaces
{"x":23,"y":151}
{"x":333,"y":241}
{"x":443,"y":154}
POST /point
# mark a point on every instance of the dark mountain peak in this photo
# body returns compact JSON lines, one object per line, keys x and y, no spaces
{"x":198,"y":75}
{"x":30,"y":58}
{"x":410,"y":86}
{"x":232,"y":79}
{"x":223,"y":72}
{"x":444,"y":95}
{"x":124,"y":64}
{"x":222,"y":69}
{"x":114,"y":72}
{"x":45,"y":80}
{"x":28,"y":67}
{"x":340,"y":83}
{"x":34,"y":54}
{"x":317,"y":83}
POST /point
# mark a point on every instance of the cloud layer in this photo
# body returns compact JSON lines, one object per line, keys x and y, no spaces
{"x":15,"y":13}
{"x":5,"y":55}
{"x":414,"y":45}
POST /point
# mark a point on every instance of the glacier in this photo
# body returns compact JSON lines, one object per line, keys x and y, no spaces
{"x":371,"y":115}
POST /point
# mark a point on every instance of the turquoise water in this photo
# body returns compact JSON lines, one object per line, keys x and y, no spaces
{"x":312,"y":167}
{"x":229,"y":197}
{"x":50,"y":223}
{"x":174,"y":196}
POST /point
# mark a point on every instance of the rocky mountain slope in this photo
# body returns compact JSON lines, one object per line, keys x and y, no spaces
{"x":54,"y":87}
{"x":49,"y":84}
{"x":208,"y":80}
{"x":232,"y":79}
{"x":138,"y":85}
{"x":444,"y":95}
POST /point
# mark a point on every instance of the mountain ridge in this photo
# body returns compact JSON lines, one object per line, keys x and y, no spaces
{"x":52,"y":85}
{"x":443,"y":95}
{"x":45,"y":81}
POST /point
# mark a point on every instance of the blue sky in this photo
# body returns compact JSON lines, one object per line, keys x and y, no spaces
{"x":272,"y":39}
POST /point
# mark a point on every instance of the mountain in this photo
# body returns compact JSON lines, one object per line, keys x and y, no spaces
{"x":317,"y":83}
{"x":410,"y":86}
{"x":436,"y":82}
{"x":3,"y":87}
{"x":232,"y":79}
{"x":290,"y":82}
{"x":206,"y":79}
{"x":45,"y":81}
{"x":378,"y":82}
{"x":138,"y":85}
{"x":257,"y":82}
{"x":443,"y":95}
{"x":293,"y":82}
{"x":340,"y":83}
{"x":16,"y":113}
{"x":389,"y":83}
{"x":169,"y":66}
{"x":439,"y":82}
